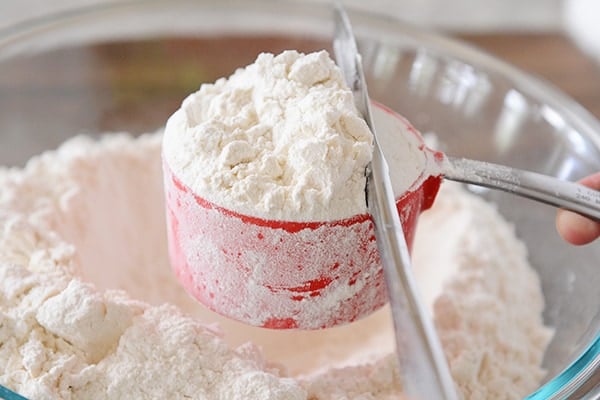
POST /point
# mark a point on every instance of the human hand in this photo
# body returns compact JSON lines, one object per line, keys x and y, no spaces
{"x":577,"y":229}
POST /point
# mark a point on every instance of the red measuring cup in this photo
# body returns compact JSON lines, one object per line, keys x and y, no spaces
{"x":288,"y":274}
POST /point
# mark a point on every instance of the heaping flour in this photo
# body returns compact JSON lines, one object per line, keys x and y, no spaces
{"x":280,"y":139}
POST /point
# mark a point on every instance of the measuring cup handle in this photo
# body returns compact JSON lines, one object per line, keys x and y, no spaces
{"x":543,"y":188}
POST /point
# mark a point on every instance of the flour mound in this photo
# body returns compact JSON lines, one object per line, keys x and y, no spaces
{"x":89,"y":308}
{"x":279,"y":139}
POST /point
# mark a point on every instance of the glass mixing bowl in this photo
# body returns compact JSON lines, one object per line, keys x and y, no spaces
{"x":126,"y":67}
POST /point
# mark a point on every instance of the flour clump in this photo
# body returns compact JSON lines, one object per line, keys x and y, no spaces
{"x":278,"y":139}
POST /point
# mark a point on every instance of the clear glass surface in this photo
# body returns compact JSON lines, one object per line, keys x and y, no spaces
{"x":127,"y":67}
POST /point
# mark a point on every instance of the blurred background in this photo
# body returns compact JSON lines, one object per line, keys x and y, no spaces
{"x":577,"y":20}
{"x":551,"y":29}
{"x":482,"y":15}
{"x":555,"y":40}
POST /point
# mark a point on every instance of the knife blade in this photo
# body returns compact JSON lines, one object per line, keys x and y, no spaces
{"x":424,"y":371}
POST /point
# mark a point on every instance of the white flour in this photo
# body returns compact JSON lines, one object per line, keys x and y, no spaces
{"x":280,"y":139}
{"x":85,"y":289}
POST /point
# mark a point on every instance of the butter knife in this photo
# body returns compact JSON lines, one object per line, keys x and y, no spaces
{"x":424,"y":371}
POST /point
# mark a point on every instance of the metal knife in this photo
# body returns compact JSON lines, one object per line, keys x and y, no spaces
{"x":424,"y":371}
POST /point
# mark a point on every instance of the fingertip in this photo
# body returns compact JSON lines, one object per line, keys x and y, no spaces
{"x":576,"y":229}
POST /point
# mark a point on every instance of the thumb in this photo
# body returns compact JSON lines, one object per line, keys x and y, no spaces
{"x":577,"y":229}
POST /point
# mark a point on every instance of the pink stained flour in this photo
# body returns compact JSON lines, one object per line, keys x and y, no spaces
{"x":83,"y":230}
